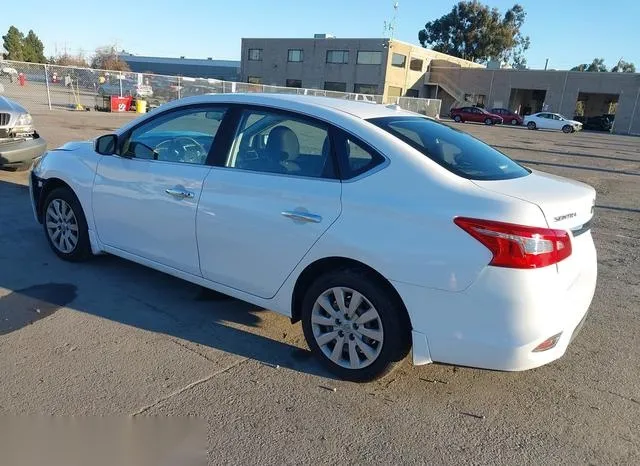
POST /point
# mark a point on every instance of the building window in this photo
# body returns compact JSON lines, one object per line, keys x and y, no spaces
{"x":393,"y":91}
{"x":334,"y":86}
{"x":416,"y":64}
{"x":294,"y":83}
{"x":365,"y":89}
{"x":254,"y":80}
{"x":398,"y":60}
{"x":337,"y":56}
{"x":369,"y":58}
{"x":413,"y":93}
{"x":480,"y":100}
{"x":295,"y":55}
{"x":255,"y":54}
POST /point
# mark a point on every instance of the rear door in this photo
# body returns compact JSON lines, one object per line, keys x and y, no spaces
{"x":271,"y":199}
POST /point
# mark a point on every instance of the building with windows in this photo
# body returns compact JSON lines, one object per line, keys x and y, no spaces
{"x":385,"y":67}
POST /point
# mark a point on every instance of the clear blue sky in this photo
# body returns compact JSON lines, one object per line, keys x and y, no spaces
{"x":566,"y":33}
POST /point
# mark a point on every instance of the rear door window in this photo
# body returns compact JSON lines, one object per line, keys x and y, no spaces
{"x":456,"y":151}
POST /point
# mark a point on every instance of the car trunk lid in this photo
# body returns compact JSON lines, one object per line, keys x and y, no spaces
{"x":566,"y":205}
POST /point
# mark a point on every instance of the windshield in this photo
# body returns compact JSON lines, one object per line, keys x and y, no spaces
{"x":456,"y":151}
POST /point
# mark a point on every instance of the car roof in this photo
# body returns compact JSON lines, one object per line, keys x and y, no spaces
{"x":302,"y":103}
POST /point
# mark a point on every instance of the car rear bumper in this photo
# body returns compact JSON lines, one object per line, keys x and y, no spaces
{"x":20,"y":152}
{"x":499,"y":320}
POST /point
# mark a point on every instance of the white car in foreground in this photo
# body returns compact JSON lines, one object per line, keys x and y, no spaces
{"x":546,"y":120}
{"x":380,"y":229}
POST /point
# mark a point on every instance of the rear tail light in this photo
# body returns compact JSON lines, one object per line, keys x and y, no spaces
{"x":518,"y":246}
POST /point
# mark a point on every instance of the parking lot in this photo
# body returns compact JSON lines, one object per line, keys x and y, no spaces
{"x":109,"y":337}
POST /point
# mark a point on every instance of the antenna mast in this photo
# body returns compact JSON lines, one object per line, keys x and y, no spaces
{"x":389,"y":28}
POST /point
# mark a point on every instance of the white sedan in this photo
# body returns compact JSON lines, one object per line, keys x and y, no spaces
{"x":546,"y":120}
{"x":380,"y":229}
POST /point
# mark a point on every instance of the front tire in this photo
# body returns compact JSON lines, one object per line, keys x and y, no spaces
{"x":566,"y":129}
{"x":514,"y":122}
{"x":531,"y":125}
{"x":488,"y":121}
{"x":354,"y":325}
{"x":65,"y":225}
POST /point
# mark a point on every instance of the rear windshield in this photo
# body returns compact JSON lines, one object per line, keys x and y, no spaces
{"x":456,"y":151}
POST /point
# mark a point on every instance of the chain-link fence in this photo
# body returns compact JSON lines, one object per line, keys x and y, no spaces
{"x":54,"y":87}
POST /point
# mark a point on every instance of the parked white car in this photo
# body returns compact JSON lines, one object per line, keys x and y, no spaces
{"x":379,"y":228}
{"x":546,"y":120}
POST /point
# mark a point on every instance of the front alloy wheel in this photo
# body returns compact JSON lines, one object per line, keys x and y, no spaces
{"x":65,"y":225}
{"x":62,"y":226}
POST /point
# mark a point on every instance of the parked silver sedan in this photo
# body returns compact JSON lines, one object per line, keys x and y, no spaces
{"x":20,"y":143}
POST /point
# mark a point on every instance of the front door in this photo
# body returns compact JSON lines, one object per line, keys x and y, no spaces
{"x":274,"y":198}
{"x":145,"y":201}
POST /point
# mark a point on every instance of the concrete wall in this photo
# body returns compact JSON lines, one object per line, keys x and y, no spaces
{"x":274,"y":69}
{"x":562,"y":89}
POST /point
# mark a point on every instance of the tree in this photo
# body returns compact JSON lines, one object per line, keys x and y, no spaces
{"x":70,"y":60}
{"x":624,"y":67}
{"x":107,"y":58}
{"x":32,"y":48}
{"x":475,"y":32}
{"x":13,"y":43}
{"x":597,"y":65}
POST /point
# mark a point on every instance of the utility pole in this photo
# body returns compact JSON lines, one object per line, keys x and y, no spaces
{"x":545,"y":64}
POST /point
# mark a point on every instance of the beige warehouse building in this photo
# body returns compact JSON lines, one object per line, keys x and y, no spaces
{"x":392,"y":68}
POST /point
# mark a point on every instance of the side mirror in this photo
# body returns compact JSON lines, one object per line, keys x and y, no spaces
{"x":106,"y":145}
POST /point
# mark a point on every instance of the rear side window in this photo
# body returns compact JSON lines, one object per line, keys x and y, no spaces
{"x":456,"y":151}
{"x":355,"y":157}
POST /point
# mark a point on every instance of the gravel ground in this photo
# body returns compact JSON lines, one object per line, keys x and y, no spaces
{"x":113,"y":338}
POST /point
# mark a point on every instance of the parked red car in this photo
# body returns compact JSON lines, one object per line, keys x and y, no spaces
{"x":509,"y":117}
{"x":477,"y":114}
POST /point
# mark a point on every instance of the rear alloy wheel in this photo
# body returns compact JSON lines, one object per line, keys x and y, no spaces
{"x":488,"y":121}
{"x":531,"y":125}
{"x":356,"y":329}
{"x":457,"y":119}
{"x":514,"y":122}
{"x":65,"y":226}
{"x":567,"y":129}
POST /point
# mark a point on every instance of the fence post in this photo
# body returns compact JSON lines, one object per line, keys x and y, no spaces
{"x":179,"y":87}
{"x":46,"y":80}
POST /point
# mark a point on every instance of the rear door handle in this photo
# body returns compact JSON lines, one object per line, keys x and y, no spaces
{"x":299,"y":216}
{"x":179,"y":192}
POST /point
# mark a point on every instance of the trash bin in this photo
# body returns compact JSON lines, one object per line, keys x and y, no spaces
{"x":141,"y":106}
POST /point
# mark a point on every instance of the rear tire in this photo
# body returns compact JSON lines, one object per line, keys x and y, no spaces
{"x":531,"y":125}
{"x":566,"y":129}
{"x":374,"y":335}
{"x":65,"y":226}
{"x":457,"y":119}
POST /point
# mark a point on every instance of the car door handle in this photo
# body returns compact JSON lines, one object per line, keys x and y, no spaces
{"x":180,"y":193}
{"x":299,"y":216}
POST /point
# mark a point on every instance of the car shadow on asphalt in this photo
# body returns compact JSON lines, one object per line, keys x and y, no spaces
{"x":121,"y":291}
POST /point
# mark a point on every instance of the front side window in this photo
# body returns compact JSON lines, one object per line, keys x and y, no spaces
{"x":270,"y":142}
{"x":255,"y":54}
{"x":294,"y":55}
{"x":369,"y":58}
{"x":337,"y":56}
{"x":398,"y":60}
{"x":454,"y":150}
{"x":180,"y":136}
